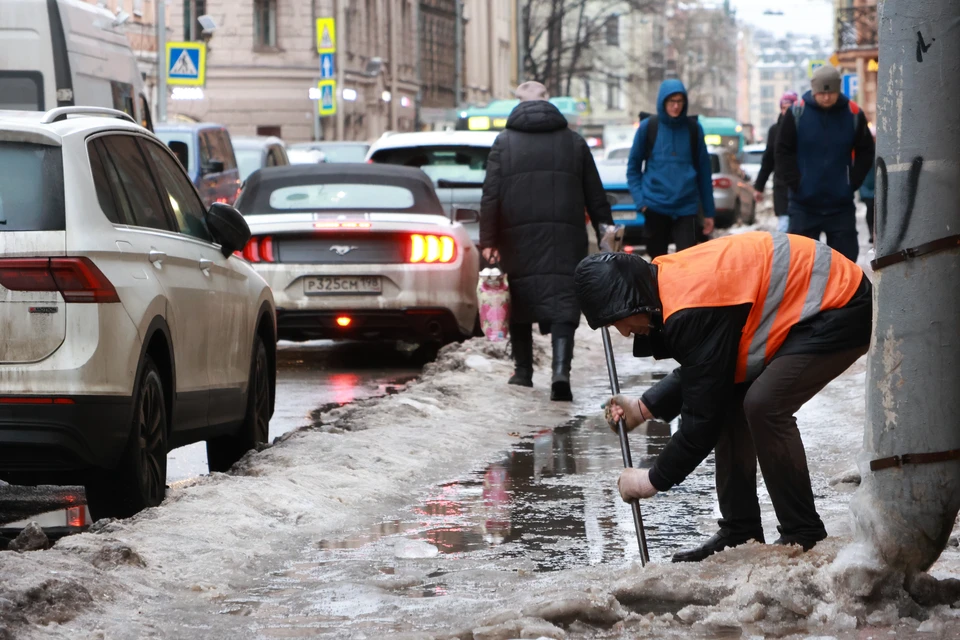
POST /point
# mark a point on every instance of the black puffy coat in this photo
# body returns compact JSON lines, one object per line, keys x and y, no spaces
{"x":540,"y":178}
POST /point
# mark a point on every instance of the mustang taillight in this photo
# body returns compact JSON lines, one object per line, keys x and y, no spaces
{"x":430,"y":248}
{"x":77,"y":279}
{"x":722,"y":183}
{"x":259,"y":249}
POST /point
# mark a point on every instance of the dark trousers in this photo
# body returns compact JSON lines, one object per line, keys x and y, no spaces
{"x":524,"y":330}
{"x":761,"y":425}
{"x":781,"y":199}
{"x":841,"y":230}
{"x":661,"y":229}
{"x":869,"y":202}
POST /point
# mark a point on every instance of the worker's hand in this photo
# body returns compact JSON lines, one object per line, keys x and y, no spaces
{"x":707,"y":226}
{"x":758,"y":196}
{"x":632,"y":410}
{"x":491,"y":255}
{"x":635,"y":484}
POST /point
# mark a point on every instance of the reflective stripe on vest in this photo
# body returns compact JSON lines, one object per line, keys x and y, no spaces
{"x":785,"y":278}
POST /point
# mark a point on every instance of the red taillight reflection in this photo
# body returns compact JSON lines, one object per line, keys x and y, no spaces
{"x":77,"y":516}
{"x":344,"y":321}
{"x":259,"y":249}
{"x":36,"y":400}
{"x":430,"y":249}
{"x":722,"y":183}
{"x":77,"y":279}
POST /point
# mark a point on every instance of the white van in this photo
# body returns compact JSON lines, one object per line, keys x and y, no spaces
{"x":61,"y":53}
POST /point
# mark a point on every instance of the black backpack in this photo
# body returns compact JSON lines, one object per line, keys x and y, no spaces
{"x":652,"y":127}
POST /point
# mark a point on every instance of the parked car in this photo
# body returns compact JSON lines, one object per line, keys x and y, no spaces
{"x":206,"y":152}
{"x":619,"y":153}
{"x":257,"y":152}
{"x":456,"y":161}
{"x":613,"y":174}
{"x":130,"y":328}
{"x":362,"y":252}
{"x":64,"y":53}
{"x":337,"y":152}
{"x":732,"y":190}
{"x":305,"y":156}
{"x":752,"y":160}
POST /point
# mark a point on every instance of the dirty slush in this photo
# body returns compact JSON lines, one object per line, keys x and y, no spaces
{"x":464,"y":508}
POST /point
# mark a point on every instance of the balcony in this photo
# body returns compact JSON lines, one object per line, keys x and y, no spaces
{"x":857,"y":28}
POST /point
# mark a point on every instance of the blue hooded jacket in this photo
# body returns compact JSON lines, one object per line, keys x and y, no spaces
{"x":671,"y":185}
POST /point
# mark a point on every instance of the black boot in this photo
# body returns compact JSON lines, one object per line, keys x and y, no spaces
{"x":522,"y":344}
{"x":562,"y":357}
{"x":807,"y":542}
{"x":718,"y":542}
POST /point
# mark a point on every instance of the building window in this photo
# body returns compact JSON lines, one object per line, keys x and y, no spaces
{"x":766,"y":92}
{"x":193,"y":9}
{"x":768,"y":109}
{"x":612,"y":29}
{"x":766,"y":75}
{"x":613,"y":94}
{"x":265,"y":23}
{"x":268,"y":130}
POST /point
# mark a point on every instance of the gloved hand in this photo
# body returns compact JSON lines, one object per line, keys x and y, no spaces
{"x":635,"y":484}
{"x":632,"y":410}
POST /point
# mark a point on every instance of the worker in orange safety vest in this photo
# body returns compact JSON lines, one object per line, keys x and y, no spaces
{"x":759,"y":323}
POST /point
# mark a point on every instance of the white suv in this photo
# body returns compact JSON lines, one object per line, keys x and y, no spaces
{"x":129,"y":327}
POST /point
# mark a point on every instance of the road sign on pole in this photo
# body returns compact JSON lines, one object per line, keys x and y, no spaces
{"x":326,"y":35}
{"x":186,"y":64}
{"x":851,"y":85}
{"x":327,"y":105}
{"x":327,"y":66}
{"x":813,"y":66}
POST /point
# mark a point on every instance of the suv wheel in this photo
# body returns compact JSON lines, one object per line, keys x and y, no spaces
{"x":140,"y":480}
{"x":224,"y":451}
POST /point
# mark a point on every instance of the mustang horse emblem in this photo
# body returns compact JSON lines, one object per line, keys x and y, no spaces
{"x":341,"y":249}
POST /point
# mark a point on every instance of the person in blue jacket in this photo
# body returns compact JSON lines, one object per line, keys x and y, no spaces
{"x":669,"y":174}
{"x":867,"y":189}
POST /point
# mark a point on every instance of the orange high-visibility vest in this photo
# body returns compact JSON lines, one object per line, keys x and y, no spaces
{"x":786,"y":278}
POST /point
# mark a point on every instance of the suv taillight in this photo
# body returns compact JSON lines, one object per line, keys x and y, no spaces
{"x":77,"y":279}
{"x":722,"y":183}
{"x":259,"y":249}
{"x":430,"y":248}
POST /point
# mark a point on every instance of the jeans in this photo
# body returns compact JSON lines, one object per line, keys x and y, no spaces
{"x":841,"y":230}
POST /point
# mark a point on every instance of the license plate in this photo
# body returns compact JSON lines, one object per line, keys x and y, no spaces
{"x":342,"y":285}
{"x":624,"y":215}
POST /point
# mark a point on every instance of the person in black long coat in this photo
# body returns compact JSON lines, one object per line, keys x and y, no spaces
{"x":541,"y":178}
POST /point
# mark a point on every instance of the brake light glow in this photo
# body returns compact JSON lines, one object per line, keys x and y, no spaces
{"x":430,"y":248}
{"x":722,"y":183}
{"x":36,"y":400}
{"x":77,"y":279}
{"x":259,"y":249}
{"x":77,"y":516}
{"x":344,"y":321}
{"x":342,"y":225}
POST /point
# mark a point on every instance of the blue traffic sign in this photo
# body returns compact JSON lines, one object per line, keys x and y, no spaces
{"x":186,"y":63}
{"x":328,"y":97}
{"x":327,"y":68}
{"x":851,"y":85}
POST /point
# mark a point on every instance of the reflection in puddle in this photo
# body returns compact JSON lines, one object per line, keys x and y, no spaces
{"x":550,"y":504}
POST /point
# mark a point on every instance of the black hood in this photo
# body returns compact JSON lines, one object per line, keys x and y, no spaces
{"x":614,"y":286}
{"x":536,"y":116}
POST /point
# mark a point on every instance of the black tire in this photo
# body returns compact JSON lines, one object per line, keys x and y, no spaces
{"x":223,"y":452}
{"x":140,"y":480}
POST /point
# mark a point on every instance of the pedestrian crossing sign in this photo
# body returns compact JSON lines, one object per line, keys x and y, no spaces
{"x":186,"y":64}
{"x":326,"y":35}
{"x":327,"y":105}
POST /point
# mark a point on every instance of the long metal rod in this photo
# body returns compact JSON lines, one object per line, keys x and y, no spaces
{"x":625,"y":445}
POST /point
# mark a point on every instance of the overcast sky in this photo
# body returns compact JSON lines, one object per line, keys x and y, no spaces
{"x":814,"y":17}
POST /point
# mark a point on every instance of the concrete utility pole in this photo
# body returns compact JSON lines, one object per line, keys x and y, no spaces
{"x":521,"y":44}
{"x":906,"y":507}
{"x":161,"y":20}
{"x":458,"y":58}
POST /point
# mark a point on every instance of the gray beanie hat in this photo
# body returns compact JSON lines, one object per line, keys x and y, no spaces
{"x":826,"y":79}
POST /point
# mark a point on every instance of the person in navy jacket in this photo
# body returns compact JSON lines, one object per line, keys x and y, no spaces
{"x":824,"y":153}
{"x":672,"y":188}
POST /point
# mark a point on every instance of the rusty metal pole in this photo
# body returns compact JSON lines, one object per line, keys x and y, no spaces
{"x":909,"y":498}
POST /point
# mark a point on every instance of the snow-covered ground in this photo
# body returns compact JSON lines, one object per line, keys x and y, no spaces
{"x":304,"y":539}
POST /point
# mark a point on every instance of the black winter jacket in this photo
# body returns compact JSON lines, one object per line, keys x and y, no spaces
{"x":541,"y":177}
{"x":768,"y":164}
{"x":705,"y":342}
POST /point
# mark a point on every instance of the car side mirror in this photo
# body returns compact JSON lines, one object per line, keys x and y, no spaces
{"x":228,"y":228}
{"x":466,"y":216}
{"x":213,"y":166}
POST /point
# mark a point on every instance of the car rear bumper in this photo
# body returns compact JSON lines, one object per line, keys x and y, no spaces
{"x":40,"y":442}
{"x":414,"y":325}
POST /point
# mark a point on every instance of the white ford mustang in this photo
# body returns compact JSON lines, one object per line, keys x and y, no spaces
{"x":360,"y":251}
